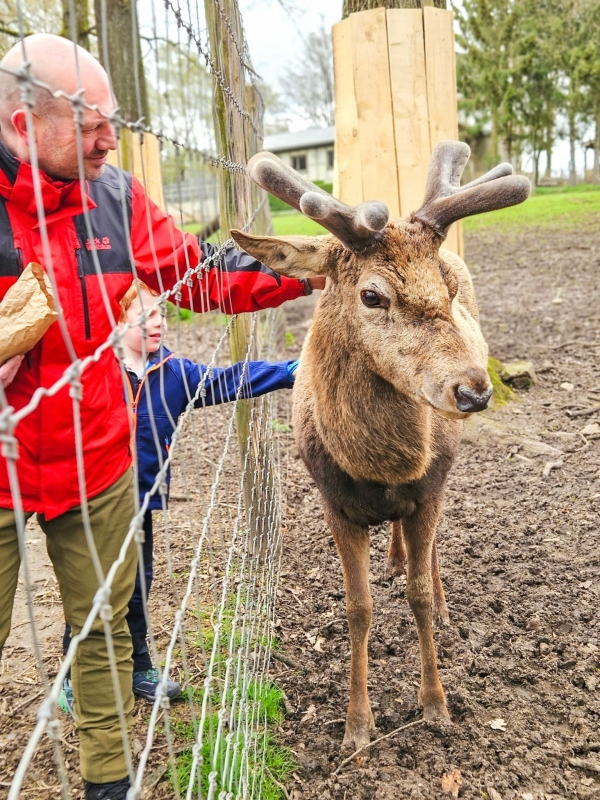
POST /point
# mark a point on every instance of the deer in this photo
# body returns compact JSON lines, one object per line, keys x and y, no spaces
{"x":393,"y":363}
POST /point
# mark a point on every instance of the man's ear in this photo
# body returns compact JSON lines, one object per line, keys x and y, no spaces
{"x":19,"y":122}
{"x":293,"y":256}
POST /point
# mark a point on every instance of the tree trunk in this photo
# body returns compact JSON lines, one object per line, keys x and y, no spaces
{"x":596,"y":171}
{"x":494,"y":138}
{"x":350,"y":6}
{"x":121,"y":57}
{"x":81,"y":23}
{"x":572,"y":141}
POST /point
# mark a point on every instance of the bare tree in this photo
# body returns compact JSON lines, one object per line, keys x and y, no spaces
{"x":308,"y":84}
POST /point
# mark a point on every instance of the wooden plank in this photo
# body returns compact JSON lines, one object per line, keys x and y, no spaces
{"x":348,"y":181}
{"x":131,"y":161}
{"x":147,"y":168}
{"x":409,"y":103}
{"x":374,"y":108}
{"x":441,"y":86}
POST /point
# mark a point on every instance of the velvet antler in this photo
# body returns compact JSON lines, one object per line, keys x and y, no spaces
{"x":446,"y":201}
{"x":355,"y":226}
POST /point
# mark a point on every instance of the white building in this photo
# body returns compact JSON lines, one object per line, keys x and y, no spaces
{"x":309,"y":152}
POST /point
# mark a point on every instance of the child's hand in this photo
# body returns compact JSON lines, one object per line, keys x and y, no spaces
{"x":318,"y":282}
{"x":291,"y":369}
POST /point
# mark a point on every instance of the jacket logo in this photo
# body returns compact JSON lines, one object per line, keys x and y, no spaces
{"x":99,"y":244}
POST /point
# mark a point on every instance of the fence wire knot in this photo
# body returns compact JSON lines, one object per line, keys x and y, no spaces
{"x":10,"y":446}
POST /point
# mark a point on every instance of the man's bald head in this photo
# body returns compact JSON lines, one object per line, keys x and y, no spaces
{"x":57,"y":62}
{"x":64,"y":67}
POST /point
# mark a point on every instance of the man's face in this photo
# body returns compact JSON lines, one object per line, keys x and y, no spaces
{"x":56,"y":137}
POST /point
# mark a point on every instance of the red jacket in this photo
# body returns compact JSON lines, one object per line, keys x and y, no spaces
{"x":47,"y":467}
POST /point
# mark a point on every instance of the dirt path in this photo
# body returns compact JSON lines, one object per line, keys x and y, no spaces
{"x":519,"y":554}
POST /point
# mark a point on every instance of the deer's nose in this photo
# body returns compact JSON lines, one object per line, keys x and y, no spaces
{"x":467,"y":400}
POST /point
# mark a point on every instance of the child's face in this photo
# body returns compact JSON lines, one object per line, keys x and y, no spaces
{"x":132,"y":338}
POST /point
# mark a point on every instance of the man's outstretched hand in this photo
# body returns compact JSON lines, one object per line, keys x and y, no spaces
{"x":318,"y":282}
{"x":8,"y":370}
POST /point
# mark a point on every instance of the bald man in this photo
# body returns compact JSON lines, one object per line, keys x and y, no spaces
{"x":89,"y":260}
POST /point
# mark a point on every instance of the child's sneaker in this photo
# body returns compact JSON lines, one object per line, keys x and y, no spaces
{"x":65,"y":698}
{"x":146,"y":682}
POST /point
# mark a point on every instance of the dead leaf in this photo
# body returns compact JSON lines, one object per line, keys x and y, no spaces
{"x":497,"y":724}
{"x":585,"y":585}
{"x":309,"y":714}
{"x":452,"y":782}
{"x":318,"y":643}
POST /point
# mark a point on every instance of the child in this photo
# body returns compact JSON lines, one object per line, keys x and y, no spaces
{"x":177,"y":380}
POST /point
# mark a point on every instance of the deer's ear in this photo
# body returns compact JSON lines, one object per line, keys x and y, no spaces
{"x":293,"y":256}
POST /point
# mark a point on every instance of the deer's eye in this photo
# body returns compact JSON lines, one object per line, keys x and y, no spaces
{"x":373,"y":300}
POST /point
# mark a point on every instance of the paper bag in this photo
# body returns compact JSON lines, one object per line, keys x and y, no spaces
{"x":26,"y":313}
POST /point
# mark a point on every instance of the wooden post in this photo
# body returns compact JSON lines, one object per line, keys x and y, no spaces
{"x":141,"y":156}
{"x":238,"y":139}
{"x":395,"y":77}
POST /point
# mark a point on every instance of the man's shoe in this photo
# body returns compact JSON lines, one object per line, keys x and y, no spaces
{"x":145,"y":684}
{"x":107,"y":791}
{"x":65,"y":698}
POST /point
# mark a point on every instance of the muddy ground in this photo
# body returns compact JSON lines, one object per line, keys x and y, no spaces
{"x":519,"y":556}
{"x":520,"y":563}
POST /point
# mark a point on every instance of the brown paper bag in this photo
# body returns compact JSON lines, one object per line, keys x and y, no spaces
{"x":26,"y":313}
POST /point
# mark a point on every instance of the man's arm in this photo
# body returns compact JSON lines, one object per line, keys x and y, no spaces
{"x":237,"y":282}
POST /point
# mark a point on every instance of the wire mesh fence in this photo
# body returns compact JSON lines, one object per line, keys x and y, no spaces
{"x":77,"y":405}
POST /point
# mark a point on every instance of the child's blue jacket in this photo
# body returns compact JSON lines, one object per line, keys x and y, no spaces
{"x":177,"y":382}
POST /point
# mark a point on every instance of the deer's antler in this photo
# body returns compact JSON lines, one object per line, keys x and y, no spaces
{"x":446,"y":201}
{"x":355,"y":226}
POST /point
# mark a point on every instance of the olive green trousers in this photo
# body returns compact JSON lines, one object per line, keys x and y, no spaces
{"x":96,"y":712}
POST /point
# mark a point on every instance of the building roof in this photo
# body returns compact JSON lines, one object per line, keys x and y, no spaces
{"x":299,"y":140}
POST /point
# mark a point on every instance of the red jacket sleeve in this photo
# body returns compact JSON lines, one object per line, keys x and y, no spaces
{"x":235,"y":283}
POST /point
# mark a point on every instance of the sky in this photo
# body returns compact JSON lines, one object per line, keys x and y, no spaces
{"x":275,"y":40}
{"x":275,"y":36}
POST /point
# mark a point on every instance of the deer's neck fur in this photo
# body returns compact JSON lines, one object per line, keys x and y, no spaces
{"x":370,"y":429}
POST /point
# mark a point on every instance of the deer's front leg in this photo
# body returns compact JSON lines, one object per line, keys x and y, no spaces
{"x":353,"y":547}
{"x":419,"y":538}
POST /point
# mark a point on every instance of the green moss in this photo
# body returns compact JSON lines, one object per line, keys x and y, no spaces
{"x":502,"y":393}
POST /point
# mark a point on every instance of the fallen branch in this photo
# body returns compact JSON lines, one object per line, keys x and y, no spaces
{"x":277,"y":783}
{"x":585,"y":763}
{"x":346,"y":761}
{"x":584,"y":412}
{"x":289,"y":662}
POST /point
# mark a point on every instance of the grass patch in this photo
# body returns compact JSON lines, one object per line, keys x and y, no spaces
{"x":296,"y":224}
{"x":270,"y":764}
{"x":564,"y":207}
{"x":502,"y":393}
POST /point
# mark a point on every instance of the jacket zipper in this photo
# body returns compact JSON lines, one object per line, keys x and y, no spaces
{"x":84,"y":295}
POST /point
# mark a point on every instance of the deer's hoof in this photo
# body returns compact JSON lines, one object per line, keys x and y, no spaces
{"x":434,"y":707}
{"x":358,"y":732}
{"x":393,"y":569}
{"x":354,"y":739}
{"x":442,"y":616}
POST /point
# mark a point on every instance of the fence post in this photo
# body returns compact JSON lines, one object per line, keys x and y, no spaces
{"x":237,"y":139}
{"x":395,"y":80}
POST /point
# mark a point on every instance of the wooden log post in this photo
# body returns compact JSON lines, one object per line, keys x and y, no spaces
{"x":238,"y":138}
{"x":395,"y":80}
